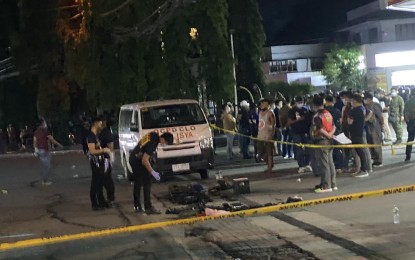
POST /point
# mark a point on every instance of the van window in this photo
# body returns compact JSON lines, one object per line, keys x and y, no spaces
{"x":125,"y":120}
{"x":172,"y":115}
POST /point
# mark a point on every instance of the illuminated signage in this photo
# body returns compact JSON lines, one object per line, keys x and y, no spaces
{"x":394,"y":59}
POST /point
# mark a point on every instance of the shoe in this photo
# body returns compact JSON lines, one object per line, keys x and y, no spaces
{"x":362,"y":174}
{"x":286,"y":157}
{"x":338,"y":171}
{"x":322,"y":190}
{"x":47,"y":183}
{"x":398,"y":141}
{"x":308,"y":168}
{"x":108,"y":205}
{"x":152,"y":211}
{"x":301,"y":170}
{"x":407,"y":159}
{"x":138,"y":209}
{"x":335,"y":188}
{"x":377,"y":164}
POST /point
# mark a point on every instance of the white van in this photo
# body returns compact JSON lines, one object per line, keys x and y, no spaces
{"x":192,"y":150}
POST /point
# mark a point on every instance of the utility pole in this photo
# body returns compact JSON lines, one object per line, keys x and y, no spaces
{"x":234,"y":74}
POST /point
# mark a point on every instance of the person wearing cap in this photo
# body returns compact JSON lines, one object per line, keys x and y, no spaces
{"x":266,"y":133}
{"x":42,"y":140}
{"x":299,"y":122}
{"x":409,"y":114}
{"x":140,"y":162}
{"x":374,"y":129}
{"x":356,"y":121}
{"x":397,"y":106}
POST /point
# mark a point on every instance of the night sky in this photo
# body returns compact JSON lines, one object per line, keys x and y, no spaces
{"x":297,"y":21}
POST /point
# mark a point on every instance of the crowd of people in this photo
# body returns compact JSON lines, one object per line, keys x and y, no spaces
{"x":281,"y":126}
{"x":12,"y":139}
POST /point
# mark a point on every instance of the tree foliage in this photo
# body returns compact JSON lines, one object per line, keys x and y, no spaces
{"x":121,"y":51}
{"x":249,"y":35}
{"x":341,"y":68}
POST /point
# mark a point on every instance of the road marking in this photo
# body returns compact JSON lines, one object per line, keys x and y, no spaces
{"x":18,"y":235}
{"x":249,"y":212}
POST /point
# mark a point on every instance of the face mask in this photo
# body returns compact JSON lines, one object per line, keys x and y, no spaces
{"x":344,"y":101}
{"x":227,"y":109}
{"x":394,"y":94}
{"x":300,"y":105}
{"x":365,"y":102}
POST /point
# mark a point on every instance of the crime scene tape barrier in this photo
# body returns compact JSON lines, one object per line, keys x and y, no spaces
{"x":316,"y":145}
{"x":243,"y":213}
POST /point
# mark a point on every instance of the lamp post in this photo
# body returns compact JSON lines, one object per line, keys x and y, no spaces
{"x":234,"y":74}
{"x":249,"y":92}
{"x":256,"y":87}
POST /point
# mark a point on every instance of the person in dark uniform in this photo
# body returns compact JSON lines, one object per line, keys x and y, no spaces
{"x":409,"y":114}
{"x":140,"y":162}
{"x":107,"y":141}
{"x":99,"y":160}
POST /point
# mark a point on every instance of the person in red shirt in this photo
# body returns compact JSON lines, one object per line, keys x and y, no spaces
{"x":42,"y":141}
{"x":322,"y":131}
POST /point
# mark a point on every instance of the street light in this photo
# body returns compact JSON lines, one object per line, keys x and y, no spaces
{"x":249,"y":92}
{"x":256,"y":87}
{"x":234,"y":72}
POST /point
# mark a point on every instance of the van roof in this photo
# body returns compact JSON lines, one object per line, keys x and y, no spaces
{"x":157,"y":103}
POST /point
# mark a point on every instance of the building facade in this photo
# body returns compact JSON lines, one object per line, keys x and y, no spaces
{"x":387,"y":39}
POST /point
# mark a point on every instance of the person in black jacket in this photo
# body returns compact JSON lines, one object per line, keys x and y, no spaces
{"x":99,"y":160}
{"x":140,"y":162}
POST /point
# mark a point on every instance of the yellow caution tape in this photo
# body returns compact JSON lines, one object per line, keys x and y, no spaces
{"x":315,"y":145}
{"x":249,"y":212}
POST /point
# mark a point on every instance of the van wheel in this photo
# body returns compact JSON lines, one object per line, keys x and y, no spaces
{"x":127,"y":174}
{"x":204,"y":174}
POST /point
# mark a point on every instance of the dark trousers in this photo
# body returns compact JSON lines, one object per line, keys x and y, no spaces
{"x":301,"y":154}
{"x":364,"y":160}
{"x":338,"y":158}
{"x":278,"y":138}
{"x":96,"y":191}
{"x":142,"y":178}
{"x":108,"y":183}
{"x":411,"y":137}
{"x":244,"y":142}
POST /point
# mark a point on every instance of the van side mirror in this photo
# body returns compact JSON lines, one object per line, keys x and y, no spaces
{"x":212,"y":119}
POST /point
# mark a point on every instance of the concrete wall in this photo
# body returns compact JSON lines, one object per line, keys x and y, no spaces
{"x":293,"y":52}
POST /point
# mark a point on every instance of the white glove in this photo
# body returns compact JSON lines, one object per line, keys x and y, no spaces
{"x":156,"y":175}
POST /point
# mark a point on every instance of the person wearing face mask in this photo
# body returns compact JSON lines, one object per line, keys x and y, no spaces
{"x":374,"y":129}
{"x":384,"y":102}
{"x":396,"y":117}
{"x":299,"y":121}
{"x":356,"y":121}
{"x":266,"y":133}
{"x":346,"y":98}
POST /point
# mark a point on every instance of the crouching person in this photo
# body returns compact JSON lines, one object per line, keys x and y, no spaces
{"x":322,"y":131}
{"x":143,"y":172}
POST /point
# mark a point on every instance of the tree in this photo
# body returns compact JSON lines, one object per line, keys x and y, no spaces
{"x":246,"y":21}
{"x":342,"y":68}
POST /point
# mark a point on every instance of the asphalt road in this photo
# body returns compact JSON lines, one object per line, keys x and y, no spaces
{"x":30,"y":210}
